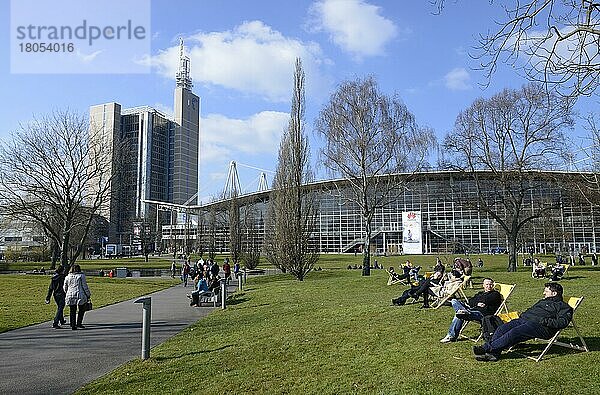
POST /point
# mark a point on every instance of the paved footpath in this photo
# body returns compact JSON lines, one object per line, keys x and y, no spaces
{"x":41,"y":360}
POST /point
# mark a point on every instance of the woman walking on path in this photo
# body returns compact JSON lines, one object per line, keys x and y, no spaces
{"x":78,"y":294}
{"x":56,"y":288}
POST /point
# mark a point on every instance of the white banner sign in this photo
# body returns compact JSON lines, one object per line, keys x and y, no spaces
{"x":411,"y":232}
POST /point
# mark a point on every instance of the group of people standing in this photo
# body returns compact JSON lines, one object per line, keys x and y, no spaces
{"x":207,"y":281}
{"x":71,"y":290}
{"x":201,"y":266}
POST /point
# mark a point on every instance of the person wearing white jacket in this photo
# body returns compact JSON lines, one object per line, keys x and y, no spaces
{"x":78,"y":294}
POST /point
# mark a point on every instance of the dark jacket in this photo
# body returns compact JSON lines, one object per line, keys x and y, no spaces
{"x":551,"y":313}
{"x":214,"y":269}
{"x":492,"y":301}
{"x":56,"y":286}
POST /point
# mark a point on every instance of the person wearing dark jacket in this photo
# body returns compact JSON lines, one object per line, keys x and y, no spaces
{"x":415,"y":291}
{"x":542,"y":320}
{"x":56,"y":289}
{"x":481,"y":304}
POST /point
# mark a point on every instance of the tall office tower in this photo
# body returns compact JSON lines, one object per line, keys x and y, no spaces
{"x":105,"y":119}
{"x":186,"y":137}
{"x":153,"y":157}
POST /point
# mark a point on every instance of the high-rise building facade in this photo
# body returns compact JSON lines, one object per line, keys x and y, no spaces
{"x":186,"y":138}
{"x":153,"y":157}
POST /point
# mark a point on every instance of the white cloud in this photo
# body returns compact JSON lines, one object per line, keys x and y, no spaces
{"x":165,"y":109}
{"x":354,"y":25}
{"x":461,"y":51}
{"x":458,"y":79}
{"x":88,"y":58}
{"x":252,"y":58}
{"x":253,"y":140}
{"x":224,"y":138}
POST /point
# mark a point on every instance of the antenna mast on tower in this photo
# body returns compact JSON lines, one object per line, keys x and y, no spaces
{"x":182,"y":77}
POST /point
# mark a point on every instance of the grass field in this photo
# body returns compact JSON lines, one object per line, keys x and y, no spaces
{"x":336,"y":333}
{"x":154,"y":262}
{"x":22,"y":296}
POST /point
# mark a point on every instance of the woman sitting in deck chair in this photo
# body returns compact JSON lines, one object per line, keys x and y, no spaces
{"x":539,"y":269}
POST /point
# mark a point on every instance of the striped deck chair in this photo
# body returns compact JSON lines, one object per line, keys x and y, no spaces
{"x":451,"y":289}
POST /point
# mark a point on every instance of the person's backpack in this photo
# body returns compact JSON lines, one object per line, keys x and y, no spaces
{"x":489,"y":324}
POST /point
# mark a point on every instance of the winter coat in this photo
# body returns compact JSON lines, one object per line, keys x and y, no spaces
{"x":491,"y":299}
{"x":56,"y":286}
{"x":551,"y":313}
{"x":77,"y":289}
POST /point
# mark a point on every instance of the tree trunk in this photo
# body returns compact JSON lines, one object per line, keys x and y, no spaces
{"x":55,"y":254}
{"x":64,"y":252}
{"x":366,"y":271}
{"x":512,"y":252}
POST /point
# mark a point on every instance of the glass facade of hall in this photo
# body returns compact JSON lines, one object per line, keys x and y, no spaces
{"x":450,"y":223}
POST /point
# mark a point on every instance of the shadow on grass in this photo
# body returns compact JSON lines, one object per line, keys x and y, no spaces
{"x":191,"y":353}
{"x":534,"y":349}
{"x":236,"y":299}
{"x":568,"y":278}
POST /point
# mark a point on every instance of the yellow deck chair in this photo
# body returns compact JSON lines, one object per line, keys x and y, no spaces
{"x":574,"y":303}
{"x":505,"y":290}
{"x":566,"y":266}
{"x":455,"y":289}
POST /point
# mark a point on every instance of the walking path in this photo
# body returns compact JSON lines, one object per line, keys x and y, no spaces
{"x":41,"y":360}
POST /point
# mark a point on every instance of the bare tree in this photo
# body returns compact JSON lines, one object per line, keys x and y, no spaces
{"x":251,"y":240}
{"x":368,"y":134}
{"x":292,"y":212}
{"x":588,"y":182}
{"x":235,"y":229}
{"x":500,"y":143}
{"x":200,"y":242}
{"x":554,"y":42}
{"x":54,"y":173}
{"x":212,"y":229}
{"x":144,"y":235}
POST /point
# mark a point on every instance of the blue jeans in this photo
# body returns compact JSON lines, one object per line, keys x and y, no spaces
{"x":457,"y":323}
{"x":60,"y":307}
{"x":511,"y":333}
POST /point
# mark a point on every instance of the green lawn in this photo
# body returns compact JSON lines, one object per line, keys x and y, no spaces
{"x":154,"y":262}
{"x":21,"y":294}
{"x":337,"y":333}
{"x":163,"y":262}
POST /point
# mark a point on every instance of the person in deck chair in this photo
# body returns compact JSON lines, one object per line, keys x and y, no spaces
{"x":542,"y":320}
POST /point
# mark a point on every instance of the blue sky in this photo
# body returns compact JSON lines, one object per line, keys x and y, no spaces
{"x":242,"y":55}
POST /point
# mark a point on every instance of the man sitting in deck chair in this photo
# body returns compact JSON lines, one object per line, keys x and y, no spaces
{"x":422,"y":288}
{"x":483,"y":303}
{"x":542,"y":320}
